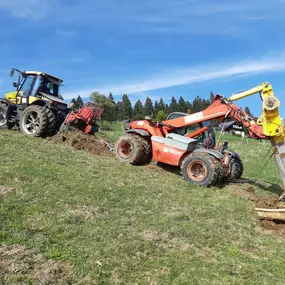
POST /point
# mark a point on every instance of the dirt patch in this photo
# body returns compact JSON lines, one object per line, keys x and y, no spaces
{"x":261,"y":201}
{"x":274,"y":225}
{"x":5,"y":190}
{"x":81,"y":141}
{"x":21,"y":266}
{"x":278,"y":227}
{"x":268,"y":203}
{"x":84,"y":213}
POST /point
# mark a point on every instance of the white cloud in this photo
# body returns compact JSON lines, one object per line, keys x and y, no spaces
{"x":35,"y":9}
{"x":189,"y":76}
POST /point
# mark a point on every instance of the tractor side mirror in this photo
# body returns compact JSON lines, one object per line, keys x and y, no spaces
{"x":15,"y":84}
{"x":12,"y":72}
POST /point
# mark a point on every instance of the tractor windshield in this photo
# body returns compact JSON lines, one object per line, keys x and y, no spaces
{"x":47,"y":85}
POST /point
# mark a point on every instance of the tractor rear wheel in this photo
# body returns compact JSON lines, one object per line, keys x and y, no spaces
{"x":4,"y":123}
{"x":236,"y":168}
{"x":202,"y":169}
{"x":37,"y":121}
{"x":132,"y":149}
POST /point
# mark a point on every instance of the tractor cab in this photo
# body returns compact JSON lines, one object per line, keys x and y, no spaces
{"x":34,"y":87}
{"x":36,"y":105}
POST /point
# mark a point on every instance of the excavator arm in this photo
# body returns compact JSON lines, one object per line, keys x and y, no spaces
{"x":269,"y":119}
{"x":271,"y":123}
{"x":219,"y":110}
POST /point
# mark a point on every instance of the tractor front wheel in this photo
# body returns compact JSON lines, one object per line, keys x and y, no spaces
{"x":132,"y":149}
{"x":202,"y":169}
{"x":37,"y":121}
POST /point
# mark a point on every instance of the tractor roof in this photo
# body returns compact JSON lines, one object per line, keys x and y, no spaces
{"x":43,"y":74}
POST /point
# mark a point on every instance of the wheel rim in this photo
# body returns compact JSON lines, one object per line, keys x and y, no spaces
{"x":3,"y":118}
{"x":197,"y":170}
{"x":125,"y":149}
{"x":31,"y":122}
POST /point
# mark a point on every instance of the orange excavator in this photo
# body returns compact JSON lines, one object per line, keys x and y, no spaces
{"x":169,"y":141}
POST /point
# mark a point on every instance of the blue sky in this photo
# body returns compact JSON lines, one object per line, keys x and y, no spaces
{"x":158,"y":48}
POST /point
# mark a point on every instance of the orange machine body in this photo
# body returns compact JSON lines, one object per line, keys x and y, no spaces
{"x":158,"y":132}
{"x":167,"y":154}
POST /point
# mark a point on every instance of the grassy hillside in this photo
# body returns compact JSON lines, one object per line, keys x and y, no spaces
{"x":70,"y":218}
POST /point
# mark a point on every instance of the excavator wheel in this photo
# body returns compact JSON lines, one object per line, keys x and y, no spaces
{"x":236,"y":168}
{"x":132,"y":149}
{"x":202,"y":169}
{"x":4,"y":123}
{"x":37,"y":121}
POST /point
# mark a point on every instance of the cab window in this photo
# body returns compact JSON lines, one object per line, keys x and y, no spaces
{"x":26,"y":87}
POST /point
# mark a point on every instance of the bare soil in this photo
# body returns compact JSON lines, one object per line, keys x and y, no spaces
{"x":90,"y":143}
{"x":19,"y":265}
{"x":276,"y":226}
{"x":5,"y":190}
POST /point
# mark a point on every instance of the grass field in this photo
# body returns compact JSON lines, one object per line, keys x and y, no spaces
{"x":70,"y":218}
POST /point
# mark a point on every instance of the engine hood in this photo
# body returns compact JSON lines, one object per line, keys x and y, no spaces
{"x":53,"y":98}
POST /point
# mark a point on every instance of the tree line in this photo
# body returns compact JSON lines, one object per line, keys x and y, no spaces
{"x":159,"y":110}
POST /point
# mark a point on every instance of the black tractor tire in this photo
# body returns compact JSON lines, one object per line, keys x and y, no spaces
{"x":236,"y":168}
{"x":222,"y":174}
{"x":147,"y":150}
{"x":37,"y":121}
{"x":202,"y":169}
{"x":133,"y":149}
{"x":51,"y":128}
{"x":4,"y":123}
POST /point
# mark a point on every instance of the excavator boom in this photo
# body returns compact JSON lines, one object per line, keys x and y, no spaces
{"x":271,"y":123}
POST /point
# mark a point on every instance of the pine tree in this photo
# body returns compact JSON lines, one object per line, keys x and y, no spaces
{"x":111,"y":98}
{"x":128,"y":108}
{"x":197,"y":105}
{"x":188,"y":106}
{"x":120,"y":114}
{"x":73,"y":101}
{"x":181,"y":107}
{"x":138,"y":111}
{"x":79,"y":102}
{"x":212,"y":97}
{"x":167,"y":109}
{"x":148,"y":107}
{"x":161,"y":105}
{"x":247,"y":110}
{"x":156,"y":108}
{"x":173,"y":105}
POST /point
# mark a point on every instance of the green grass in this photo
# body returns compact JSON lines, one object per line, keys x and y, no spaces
{"x":111,"y":130}
{"x":113,"y":223}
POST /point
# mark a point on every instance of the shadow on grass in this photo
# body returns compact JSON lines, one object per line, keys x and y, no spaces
{"x":270,"y":187}
{"x":169,"y":168}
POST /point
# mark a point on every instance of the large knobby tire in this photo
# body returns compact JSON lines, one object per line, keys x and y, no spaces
{"x":132,"y":149}
{"x":202,"y":169}
{"x":37,"y":121}
{"x":236,"y":168}
{"x":4,"y":123}
{"x":52,"y":123}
